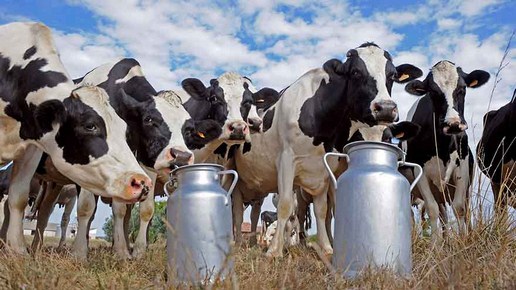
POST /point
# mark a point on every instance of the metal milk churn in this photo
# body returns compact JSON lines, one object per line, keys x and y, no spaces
{"x":200,"y":230}
{"x":373,"y":210}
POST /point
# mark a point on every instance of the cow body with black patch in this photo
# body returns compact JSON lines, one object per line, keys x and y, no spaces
{"x":318,"y":113}
{"x":442,"y":148}
{"x":496,"y":153}
{"x":41,"y":110}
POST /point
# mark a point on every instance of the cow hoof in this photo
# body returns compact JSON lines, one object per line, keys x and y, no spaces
{"x":123,"y":256}
{"x":271,"y":254}
{"x":138,"y":252}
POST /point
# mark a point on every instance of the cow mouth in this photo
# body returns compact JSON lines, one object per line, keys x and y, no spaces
{"x":454,"y":130}
{"x":236,"y":137}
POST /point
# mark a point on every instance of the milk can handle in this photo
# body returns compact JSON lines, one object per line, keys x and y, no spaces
{"x":332,"y":177}
{"x":232,"y":187}
{"x":416,"y":166}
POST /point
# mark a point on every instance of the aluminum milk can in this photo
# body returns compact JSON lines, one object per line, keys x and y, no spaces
{"x":201,"y":229}
{"x":373,"y":210}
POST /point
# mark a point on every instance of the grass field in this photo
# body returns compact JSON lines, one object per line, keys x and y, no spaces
{"x":485,"y":259}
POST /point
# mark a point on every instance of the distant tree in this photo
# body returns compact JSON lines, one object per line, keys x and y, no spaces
{"x":108,"y":228}
{"x":156,"y":228}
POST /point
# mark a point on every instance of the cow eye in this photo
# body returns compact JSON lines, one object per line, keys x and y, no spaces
{"x":147,"y":120}
{"x":91,"y":127}
{"x":355,"y":74}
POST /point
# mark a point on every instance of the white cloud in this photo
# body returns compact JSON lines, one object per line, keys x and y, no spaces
{"x":474,"y":7}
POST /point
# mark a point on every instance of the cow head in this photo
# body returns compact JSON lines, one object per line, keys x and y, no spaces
{"x":446,"y":86}
{"x":176,"y":151}
{"x":231,"y":100}
{"x":89,"y":145}
{"x":366,"y":78}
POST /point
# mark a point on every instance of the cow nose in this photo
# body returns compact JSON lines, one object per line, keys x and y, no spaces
{"x":180,"y":158}
{"x":139,"y":186}
{"x":254,"y":124}
{"x":454,"y":126}
{"x":238,"y":130}
{"x":385,"y":111}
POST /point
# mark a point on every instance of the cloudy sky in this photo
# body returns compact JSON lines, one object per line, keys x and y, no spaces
{"x":274,"y":42}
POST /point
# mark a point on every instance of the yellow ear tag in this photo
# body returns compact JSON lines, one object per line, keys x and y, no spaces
{"x":403,"y":77}
{"x":201,"y":134}
{"x":400,"y":135}
{"x":473,"y":83}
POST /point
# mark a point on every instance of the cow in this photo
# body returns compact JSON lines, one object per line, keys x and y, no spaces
{"x":442,"y":148}
{"x":233,"y":101}
{"x":157,"y":133}
{"x":43,"y":111}
{"x":54,"y":194}
{"x":318,"y":113}
{"x":496,"y":153}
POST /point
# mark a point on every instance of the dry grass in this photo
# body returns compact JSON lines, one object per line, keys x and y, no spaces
{"x":485,"y":259}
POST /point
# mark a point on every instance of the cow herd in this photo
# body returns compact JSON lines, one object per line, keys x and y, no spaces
{"x":111,"y":134}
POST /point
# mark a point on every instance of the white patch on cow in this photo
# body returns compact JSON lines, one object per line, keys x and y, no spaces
{"x":434,"y":170}
{"x":169,"y":104}
{"x":446,"y":77}
{"x":374,"y":133}
{"x":135,"y":71}
{"x":451,"y":166}
{"x":100,"y":74}
{"x":375,"y":62}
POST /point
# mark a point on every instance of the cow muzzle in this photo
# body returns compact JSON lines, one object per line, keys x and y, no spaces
{"x":177,"y":157}
{"x":455,"y":128}
{"x":238,"y":131}
{"x":137,"y":188}
{"x":385,"y":111}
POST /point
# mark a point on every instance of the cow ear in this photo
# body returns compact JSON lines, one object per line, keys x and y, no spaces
{"x":405,"y":130}
{"x":406,"y":73}
{"x":334,"y":66}
{"x":265,"y":98}
{"x":476,"y":78}
{"x":416,"y":87}
{"x":199,"y":133}
{"x":49,"y":113}
{"x":129,"y":104}
{"x":194,"y":87}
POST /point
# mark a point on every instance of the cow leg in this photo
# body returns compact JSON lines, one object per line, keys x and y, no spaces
{"x":46,"y":208}
{"x":238,"y":214}
{"x":146,"y":213}
{"x":86,"y":207}
{"x":302,"y":208}
{"x":255,"y":215}
{"x":431,"y":207}
{"x":65,"y":219}
{"x":119,"y":240}
{"x":459,"y":206}
{"x":321,"y":210}
{"x":5,"y":223}
{"x":286,"y":169}
{"x":331,"y":210}
{"x":23,"y":171}
{"x":444,"y":219}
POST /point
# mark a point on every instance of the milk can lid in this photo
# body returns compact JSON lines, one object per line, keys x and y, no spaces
{"x":373,"y":145}
{"x":212,"y":166}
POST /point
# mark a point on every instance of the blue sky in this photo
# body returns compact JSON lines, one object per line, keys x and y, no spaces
{"x":275,"y":42}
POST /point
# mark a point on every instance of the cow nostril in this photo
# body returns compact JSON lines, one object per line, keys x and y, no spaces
{"x":137,"y":185}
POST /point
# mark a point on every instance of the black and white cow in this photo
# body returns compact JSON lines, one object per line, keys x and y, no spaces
{"x":496,"y":153}
{"x":156,"y":133}
{"x":318,"y":113}
{"x":41,"y":110}
{"x":233,"y":101}
{"x":444,"y":155}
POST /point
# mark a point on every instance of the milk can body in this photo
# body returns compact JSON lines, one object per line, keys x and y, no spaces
{"x":373,"y":212}
{"x":200,"y":234}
